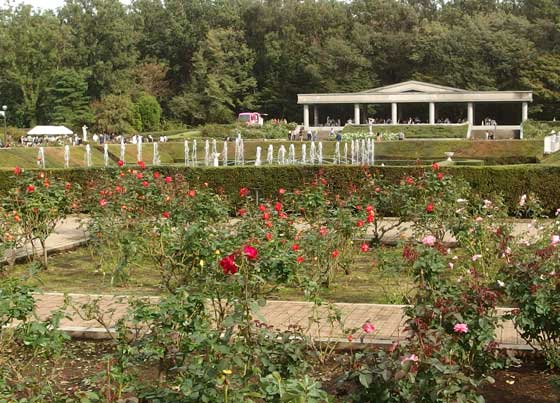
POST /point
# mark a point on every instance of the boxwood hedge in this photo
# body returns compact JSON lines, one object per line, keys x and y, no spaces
{"x":512,"y":180}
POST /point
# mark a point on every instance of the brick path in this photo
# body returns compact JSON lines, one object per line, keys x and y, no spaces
{"x":388,"y":319}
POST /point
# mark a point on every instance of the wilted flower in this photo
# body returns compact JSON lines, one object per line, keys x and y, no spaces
{"x":411,"y":357}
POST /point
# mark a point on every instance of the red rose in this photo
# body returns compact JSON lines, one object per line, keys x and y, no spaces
{"x":430,"y":208}
{"x":369,"y":208}
{"x":241,"y":212}
{"x":166,"y":214}
{"x":360,"y":224}
{"x":364,"y":247}
{"x":440,"y":176}
{"x":410,"y":181}
{"x":192,"y":193}
{"x":295,"y":247}
{"x":281,"y":191}
{"x":17,"y":170}
{"x":156,"y":175}
{"x":300,"y":259}
{"x":139,"y":175}
{"x":435,"y":166}
{"x":102,"y":202}
{"x":268,"y":236}
{"x":266,"y":216}
{"x":262,"y":207}
{"x":335,"y":253}
{"x":30,"y":188}
{"x":244,"y":192}
{"x":168,"y":179}
{"x":120,"y":163}
{"x":323,"y":231}
{"x":278,"y":206}
{"x":250,"y":252}
{"x":145,"y":184}
{"x":282,"y":215}
{"x":228,"y":265}
{"x":268,"y":224}
{"x":141,"y":164}
{"x":118,"y":189}
{"x":370,"y":218}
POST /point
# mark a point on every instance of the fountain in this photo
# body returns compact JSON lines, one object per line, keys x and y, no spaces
{"x":336,"y":158}
{"x":122,"y":150}
{"x":304,"y":153}
{"x":282,"y":155}
{"x":239,"y":151}
{"x":88,"y":155}
{"x":352,"y":152}
{"x":258,"y":157}
{"x":292,"y":154}
{"x":66,"y":156}
{"x":139,"y":149}
{"x":312,"y":153}
{"x":270,"y":155}
{"x":214,"y":147}
{"x":41,"y":158}
{"x":186,"y":152}
{"x":206,"y":153}
{"x":449,"y":154}
{"x":194,"y":154}
{"x":364,"y":158}
{"x":320,"y":153}
{"x":216,"y":159}
{"x":225,"y":152}
{"x":155,"y":158}
{"x":106,"y":154}
{"x":346,"y":153}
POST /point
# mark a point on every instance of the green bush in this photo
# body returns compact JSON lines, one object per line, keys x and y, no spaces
{"x":412,"y":131}
{"x":512,"y":180}
{"x":533,"y":129}
{"x":267,"y":131}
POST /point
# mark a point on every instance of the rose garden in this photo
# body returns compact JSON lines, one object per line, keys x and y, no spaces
{"x":197,"y":264}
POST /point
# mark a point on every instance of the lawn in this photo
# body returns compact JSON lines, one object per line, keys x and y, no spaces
{"x":491,"y":152}
{"x":377,"y":278}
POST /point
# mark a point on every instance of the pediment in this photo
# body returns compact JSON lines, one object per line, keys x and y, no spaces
{"x":413,"y":86}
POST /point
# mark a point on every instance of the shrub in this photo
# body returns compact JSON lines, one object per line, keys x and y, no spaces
{"x":533,"y":129}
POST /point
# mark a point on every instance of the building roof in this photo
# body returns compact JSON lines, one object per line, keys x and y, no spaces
{"x":50,"y":131}
{"x":415,"y":91}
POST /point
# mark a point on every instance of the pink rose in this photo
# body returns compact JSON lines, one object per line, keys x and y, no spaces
{"x":555,"y":239}
{"x":429,"y":240}
{"x":368,"y":327}
{"x":461,"y":328}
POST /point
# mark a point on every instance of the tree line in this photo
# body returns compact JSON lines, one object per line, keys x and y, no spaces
{"x":157,"y":64}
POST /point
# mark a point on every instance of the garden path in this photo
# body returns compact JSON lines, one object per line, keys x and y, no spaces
{"x":388,"y":319}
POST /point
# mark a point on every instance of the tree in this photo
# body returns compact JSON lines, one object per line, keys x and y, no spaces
{"x":222,"y":82}
{"x":66,"y":100}
{"x":150,"y":112}
{"x":116,"y":114}
{"x":32,"y":45}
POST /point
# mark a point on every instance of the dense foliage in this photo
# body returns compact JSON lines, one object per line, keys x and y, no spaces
{"x":207,"y":61}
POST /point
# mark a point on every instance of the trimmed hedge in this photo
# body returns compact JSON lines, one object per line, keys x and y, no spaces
{"x":534,"y":129}
{"x":413,"y":131}
{"x":511,"y":181}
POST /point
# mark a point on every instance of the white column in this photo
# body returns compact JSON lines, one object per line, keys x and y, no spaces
{"x":524,"y":111}
{"x":306,"y":116}
{"x":394,"y":114}
{"x":432,"y":113}
{"x":356,"y":114}
{"x":315,"y":115}
{"x":470,"y":113}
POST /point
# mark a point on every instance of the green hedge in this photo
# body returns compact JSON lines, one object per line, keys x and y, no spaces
{"x":511,"y":181}
{"x":534,"y":129}
{"x":413,"y":131}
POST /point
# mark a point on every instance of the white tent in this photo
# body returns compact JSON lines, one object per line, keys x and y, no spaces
{"x":50,"y":131}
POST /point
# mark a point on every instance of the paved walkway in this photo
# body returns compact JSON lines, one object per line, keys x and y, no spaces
{"x":388,"y":319}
